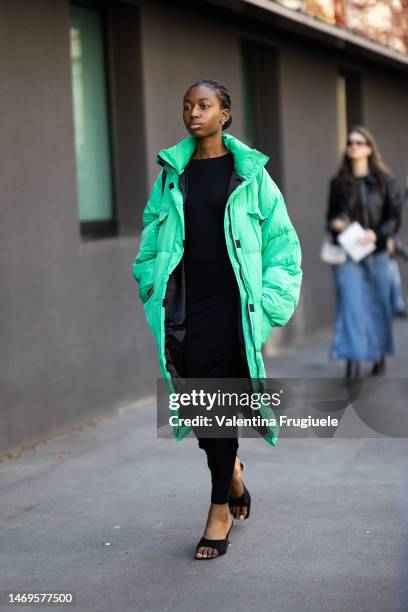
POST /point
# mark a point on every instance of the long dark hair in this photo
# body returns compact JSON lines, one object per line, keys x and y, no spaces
{"x":345,"y":181}
{"x":222,"y":94}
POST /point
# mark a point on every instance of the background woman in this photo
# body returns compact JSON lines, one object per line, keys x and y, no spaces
{"x":364,"y":190}
{"x":238,"y":274}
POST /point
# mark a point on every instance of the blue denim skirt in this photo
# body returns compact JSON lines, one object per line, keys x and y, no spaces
{"x":363,"y":326}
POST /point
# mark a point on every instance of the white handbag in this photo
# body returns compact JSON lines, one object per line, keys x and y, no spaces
{"x":332,"y":254}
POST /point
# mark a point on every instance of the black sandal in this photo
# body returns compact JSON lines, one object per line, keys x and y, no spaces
{"x":244,"y":500}
{"x":221,"y":546}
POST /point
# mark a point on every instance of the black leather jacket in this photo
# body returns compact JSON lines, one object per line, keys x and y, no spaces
{"x":379,"y":208}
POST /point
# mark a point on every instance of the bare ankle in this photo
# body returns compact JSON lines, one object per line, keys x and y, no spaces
{"x":219,"y":512}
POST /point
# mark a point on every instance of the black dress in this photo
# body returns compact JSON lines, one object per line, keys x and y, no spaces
{"x":212,"y":295}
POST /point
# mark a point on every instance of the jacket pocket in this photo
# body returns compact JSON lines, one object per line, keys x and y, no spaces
{"x":266,"y":327}
{"x":150,"y":313}
{"x":163,"y":214}
{"x":145,"y":292}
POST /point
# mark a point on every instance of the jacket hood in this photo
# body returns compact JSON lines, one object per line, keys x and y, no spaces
{"x":247,"y":161}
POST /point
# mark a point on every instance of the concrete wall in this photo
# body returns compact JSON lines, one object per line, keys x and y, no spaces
{"x":180,"y":47}
{"x":73,"y":336}
{"x":385,"y":104}
{"x":309,"y":121}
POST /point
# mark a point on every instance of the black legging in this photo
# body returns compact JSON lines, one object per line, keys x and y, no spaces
{"x":221,"y":454}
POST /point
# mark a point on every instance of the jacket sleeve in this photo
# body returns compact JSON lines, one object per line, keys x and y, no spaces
{"x":281,"y":255}
{"x":144,"y":262}
{"x":391,"y":216}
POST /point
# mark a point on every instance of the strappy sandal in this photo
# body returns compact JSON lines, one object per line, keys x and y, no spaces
{"x":244,"y":500}
{"x":221,"y":546}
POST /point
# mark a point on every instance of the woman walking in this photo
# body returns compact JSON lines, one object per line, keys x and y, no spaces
{"x":364,"y":190}
{"x":218,"y":267}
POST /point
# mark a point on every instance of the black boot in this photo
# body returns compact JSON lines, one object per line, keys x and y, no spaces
{"x":379,"y":367}
{"x":357,"y":369}
{"x":353,"y":369}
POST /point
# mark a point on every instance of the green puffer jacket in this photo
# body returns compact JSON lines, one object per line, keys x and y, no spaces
{"x":263,"y":247}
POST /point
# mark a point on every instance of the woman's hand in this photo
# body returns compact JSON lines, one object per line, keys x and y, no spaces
{"x":390,"y":246}
{"x":339,"y":224}
{"x":149,"y":293}
{"x":370,"y":236}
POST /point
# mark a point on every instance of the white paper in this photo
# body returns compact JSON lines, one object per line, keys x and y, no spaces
{"x":350,"y":241}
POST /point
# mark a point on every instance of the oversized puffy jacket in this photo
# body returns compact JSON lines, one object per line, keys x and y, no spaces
{"x":263,"y":247}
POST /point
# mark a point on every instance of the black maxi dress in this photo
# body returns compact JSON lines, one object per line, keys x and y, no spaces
{"x":212,"y":300}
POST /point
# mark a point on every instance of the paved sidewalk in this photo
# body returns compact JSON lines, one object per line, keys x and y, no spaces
{"x":327,"y":531}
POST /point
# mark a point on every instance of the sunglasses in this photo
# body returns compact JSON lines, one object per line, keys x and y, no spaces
{"x":358,"y":143}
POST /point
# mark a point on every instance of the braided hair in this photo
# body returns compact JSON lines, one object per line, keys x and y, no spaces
{"x":222,"y":94}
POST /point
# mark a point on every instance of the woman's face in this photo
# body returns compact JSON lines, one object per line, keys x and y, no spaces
{"x":202,"y":113}
{"x":357,"y":146}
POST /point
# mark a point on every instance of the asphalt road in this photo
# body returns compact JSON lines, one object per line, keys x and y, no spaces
{"x":112,"y":514}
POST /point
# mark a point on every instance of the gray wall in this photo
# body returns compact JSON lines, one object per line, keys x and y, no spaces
{"x":177,"y":51}
{"x":73,"y":336}
{"x":310,"y":156}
